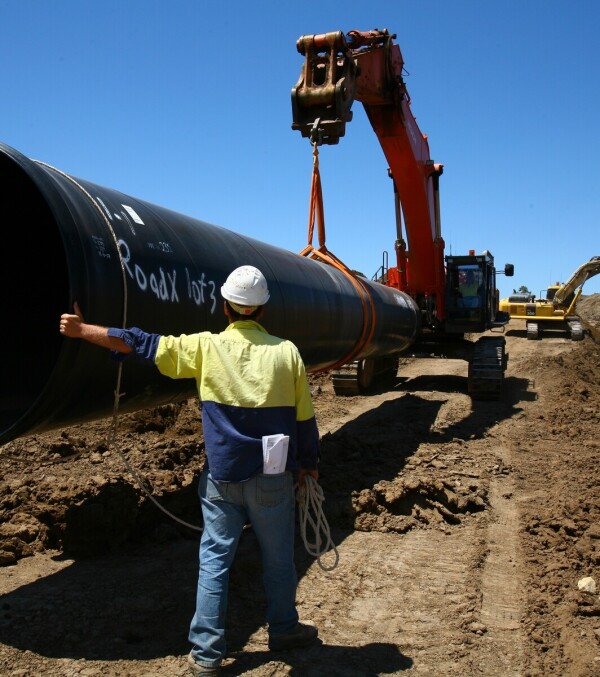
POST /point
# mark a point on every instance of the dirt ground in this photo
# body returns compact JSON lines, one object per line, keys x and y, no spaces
{"x":463,"y":531}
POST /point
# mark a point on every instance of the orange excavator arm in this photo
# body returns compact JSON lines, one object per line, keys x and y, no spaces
{"x":368,"y":67}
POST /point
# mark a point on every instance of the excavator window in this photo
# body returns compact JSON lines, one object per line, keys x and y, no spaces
{"x":468,"y":287}
{"x":466,"y":299}
{"x":465,"y":283}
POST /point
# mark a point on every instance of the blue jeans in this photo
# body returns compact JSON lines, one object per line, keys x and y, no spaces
{"x":268,"y":501}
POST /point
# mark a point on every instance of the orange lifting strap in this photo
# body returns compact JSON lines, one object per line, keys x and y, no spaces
{"x":321,"y":253}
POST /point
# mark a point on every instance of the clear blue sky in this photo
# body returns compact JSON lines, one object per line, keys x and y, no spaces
{"x":186,"y":103}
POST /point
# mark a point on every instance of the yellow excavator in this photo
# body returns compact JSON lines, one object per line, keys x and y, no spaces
{"x":557,"y":309}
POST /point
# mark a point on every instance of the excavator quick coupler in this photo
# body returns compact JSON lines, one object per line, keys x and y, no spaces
{"x":323,"y":96}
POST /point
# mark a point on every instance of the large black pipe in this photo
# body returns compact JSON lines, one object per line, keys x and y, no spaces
{"x":126,"y":261}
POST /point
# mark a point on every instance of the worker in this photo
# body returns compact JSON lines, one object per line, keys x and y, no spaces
{"x":251,"y":385}
{"x":469,"y":290}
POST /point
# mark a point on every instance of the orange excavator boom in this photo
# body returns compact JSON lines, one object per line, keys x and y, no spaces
{"x":368,"y":67}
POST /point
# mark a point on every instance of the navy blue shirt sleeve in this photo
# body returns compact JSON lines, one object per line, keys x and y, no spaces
{"x":144,"y":344}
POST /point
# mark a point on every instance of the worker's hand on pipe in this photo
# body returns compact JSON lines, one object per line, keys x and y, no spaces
{"x":73,"y":326}
{"x":303,"y":472}
{"x":70,"y":325}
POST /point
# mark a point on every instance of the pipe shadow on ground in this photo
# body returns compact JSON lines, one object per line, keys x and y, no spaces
{"x":515,"y":389}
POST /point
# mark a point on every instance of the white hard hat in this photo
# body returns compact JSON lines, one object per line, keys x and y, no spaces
{"x":245,"y":289}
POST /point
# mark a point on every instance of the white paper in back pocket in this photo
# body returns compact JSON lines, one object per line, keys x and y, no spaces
{"x":275,"y":450}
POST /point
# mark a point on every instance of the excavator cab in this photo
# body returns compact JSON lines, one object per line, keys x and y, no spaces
{"x":471,"y":294}
{"x":548,"y":294}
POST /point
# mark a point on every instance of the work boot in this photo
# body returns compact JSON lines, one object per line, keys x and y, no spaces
{"x":202,"y":670}
{"x":301,"y":635}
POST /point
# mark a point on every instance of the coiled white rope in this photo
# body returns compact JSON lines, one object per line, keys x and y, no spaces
{"x":310,"y":499}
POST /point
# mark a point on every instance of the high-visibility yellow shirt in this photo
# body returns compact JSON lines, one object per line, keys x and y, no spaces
{"x":251,"y":384}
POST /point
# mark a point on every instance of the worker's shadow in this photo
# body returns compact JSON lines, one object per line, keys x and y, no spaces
{"x":369,"y":660}
{"x":137,"y":606}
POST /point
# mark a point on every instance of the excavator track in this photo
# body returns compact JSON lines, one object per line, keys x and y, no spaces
{"x":486,"y":368}
{"x":533,"y":331}
{"x":357,"y":377}
{"x":576,"y":330}
{"x":345,"y":379}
